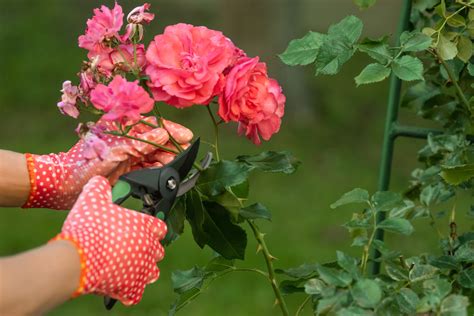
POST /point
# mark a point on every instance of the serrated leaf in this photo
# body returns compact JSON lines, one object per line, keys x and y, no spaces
{"x":465,"y":253}
{"x":466,"y":278}
{"x":314,"y":287}
{"x":175,"y":221}
{"x":414,"y":41}
{"x":303,"y":271}
{"x":446,"y":49}
{"x":444,"y":262}
{"x":347,"y":262}
{"x":303,"y":51}
{"x":255,"y":211}
{"x":408,"y":68}
{"x":372,"y":73}
{"x":271,"y":161}
{"x":334,"y":302}
{"x":366,"y":293}
{"x":386,"y":200}
{"x":454,"y":305}
{"x":291,"y":286}
{"x":465,"y":48}
{"x":334,"y":277}
{"x":437,"y":287}
{"x":184,"y":280}
{"x":396,"y":272}
{"x":377,"y":49}
{"x":456,"y":20}
{"x":407,"y":300}
{"x":421,"y":272}
{"x":349,"y":29}
{"x":355,"y":196}
{"x":214,"y":180}
{"x":396,"y":225}
{"x":364,"y":4}
{"x":456,"y":175}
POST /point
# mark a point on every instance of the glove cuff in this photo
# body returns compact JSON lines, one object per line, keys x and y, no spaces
{"x":82,"y":257}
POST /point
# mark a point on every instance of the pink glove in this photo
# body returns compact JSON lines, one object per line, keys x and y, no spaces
{"x":118,"y":247}
{"x":57,"y":179}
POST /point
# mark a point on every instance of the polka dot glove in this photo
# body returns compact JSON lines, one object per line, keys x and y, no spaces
{"x":118,"y":247}
{"x":57,"y":179}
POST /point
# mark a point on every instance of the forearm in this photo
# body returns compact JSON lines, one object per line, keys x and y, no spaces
{"x":36,"y":281}
{"x":14,"y":179}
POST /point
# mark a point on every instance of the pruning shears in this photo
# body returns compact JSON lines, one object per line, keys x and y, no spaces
{"x":158,"y":188}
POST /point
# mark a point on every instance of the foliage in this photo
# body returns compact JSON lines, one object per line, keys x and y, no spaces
{"x":435,"y":59}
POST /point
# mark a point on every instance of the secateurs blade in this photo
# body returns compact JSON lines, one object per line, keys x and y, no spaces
{"x":158,"y":188}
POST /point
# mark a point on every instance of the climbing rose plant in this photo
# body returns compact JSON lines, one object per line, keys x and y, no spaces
{"x":126,"y":83}
{"x":435,"y":61}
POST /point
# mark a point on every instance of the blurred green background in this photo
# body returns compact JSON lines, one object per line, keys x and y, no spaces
{"x":332,"y":126}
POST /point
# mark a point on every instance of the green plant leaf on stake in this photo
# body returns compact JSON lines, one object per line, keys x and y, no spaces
{"x":303,"y":51}
{"x":396,"y":225}
{"x":372,"y":73}
{"x":408,"y":68}
{"x":355,"y":196}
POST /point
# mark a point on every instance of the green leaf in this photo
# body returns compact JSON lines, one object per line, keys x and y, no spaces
{"x":396,"y":225}
{"x":414,"y":41}
{"x":421,"y":272}
{"x":386,"y":200}
{"x":184,"y":280}
{"x":407,"y":301}
{"x":338,"y":45}
{"x":444,"y":262}
{"x":396,"y":272}
{"x":377,"y":49}
{"x":332,"y":303}
{"x":334,"y":277}
{"x":348,"y":263}
{"x":175,"y":221}
{"x":454,"y":305}
{"x":446,"y":49}
{"x":226,"y":238}
{"x":372,"y":73}
{"x":314,"y":287}
{"x":437,"y":287}
{"x":271,"y":161}
{"x":465,"y":253}
{"x":255,"y":211}
{"x":304,"y":271}
{"x":366,"y":293}
{"x":456,"y":20}
{"x":303,"y":51}
{"x":470,"y":69}
{"x":465,"y":48}
{"x":456,"y":175}
{"x":355,"y":196}
{"x":364,"y":4}
{"x":195,"y":214}
{"x":214,"y":180}
{"x":408,"y":68}
{"x":291,"y":286}
{"x":466,"y":278}
{"x":354,"y":311}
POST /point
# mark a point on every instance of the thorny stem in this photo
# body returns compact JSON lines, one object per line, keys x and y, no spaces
{"x":143,"y":141}
{"x":365,"y":254}
{"x":300,"y":308}
{"x":456,"y":85}
{"x":271,"y":271}
{"x":216,"y":132}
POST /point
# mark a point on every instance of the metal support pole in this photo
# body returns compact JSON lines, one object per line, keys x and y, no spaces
{"x":389,"y":135}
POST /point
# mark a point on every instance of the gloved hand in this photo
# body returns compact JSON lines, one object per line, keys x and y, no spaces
{"x":57,"y":179}
{"x":118,"y":247}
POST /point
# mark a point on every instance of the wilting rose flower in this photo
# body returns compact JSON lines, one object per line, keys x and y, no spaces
{"x":67,"y":105}
{"x":139,"y":16}
{"x":125,"y":56}
{"x":94,"y":147}
{"x":186,"y":64}
{"x":122,"y":101}
{"x":253,"y":100}
{"x":87,"y":82}
{"x":104,"y":26}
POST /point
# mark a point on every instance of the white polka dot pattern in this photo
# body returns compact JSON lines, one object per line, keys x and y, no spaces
{"x":57,"y":179}
{"x":119,"y":248}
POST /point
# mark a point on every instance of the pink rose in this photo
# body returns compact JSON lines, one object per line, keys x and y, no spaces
{"x":87,"y":82}
{"x":139,"y":16}
{"x":186,"y":64}
{"x":122,"y":101}
{"x":124,"y":56}
{"x":94,"y":147}
{"x":67,"y":105}
{"x":253,"y":100}
{"x":103,"y":27}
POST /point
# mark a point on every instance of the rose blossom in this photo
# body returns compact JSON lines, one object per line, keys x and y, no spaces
{"x":122,"y":101}
{"x":186,"y":64}
{"x":124,"y":56}
{"x":139,"y":16}
{"x":87,"y":82}
{"x":252,"y":99}
{"x":104,"y":26}
{"x":67,"y":105}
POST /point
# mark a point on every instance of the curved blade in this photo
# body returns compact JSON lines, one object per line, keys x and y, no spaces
{"x":184,"y":161}
{"x":191,"y":181}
